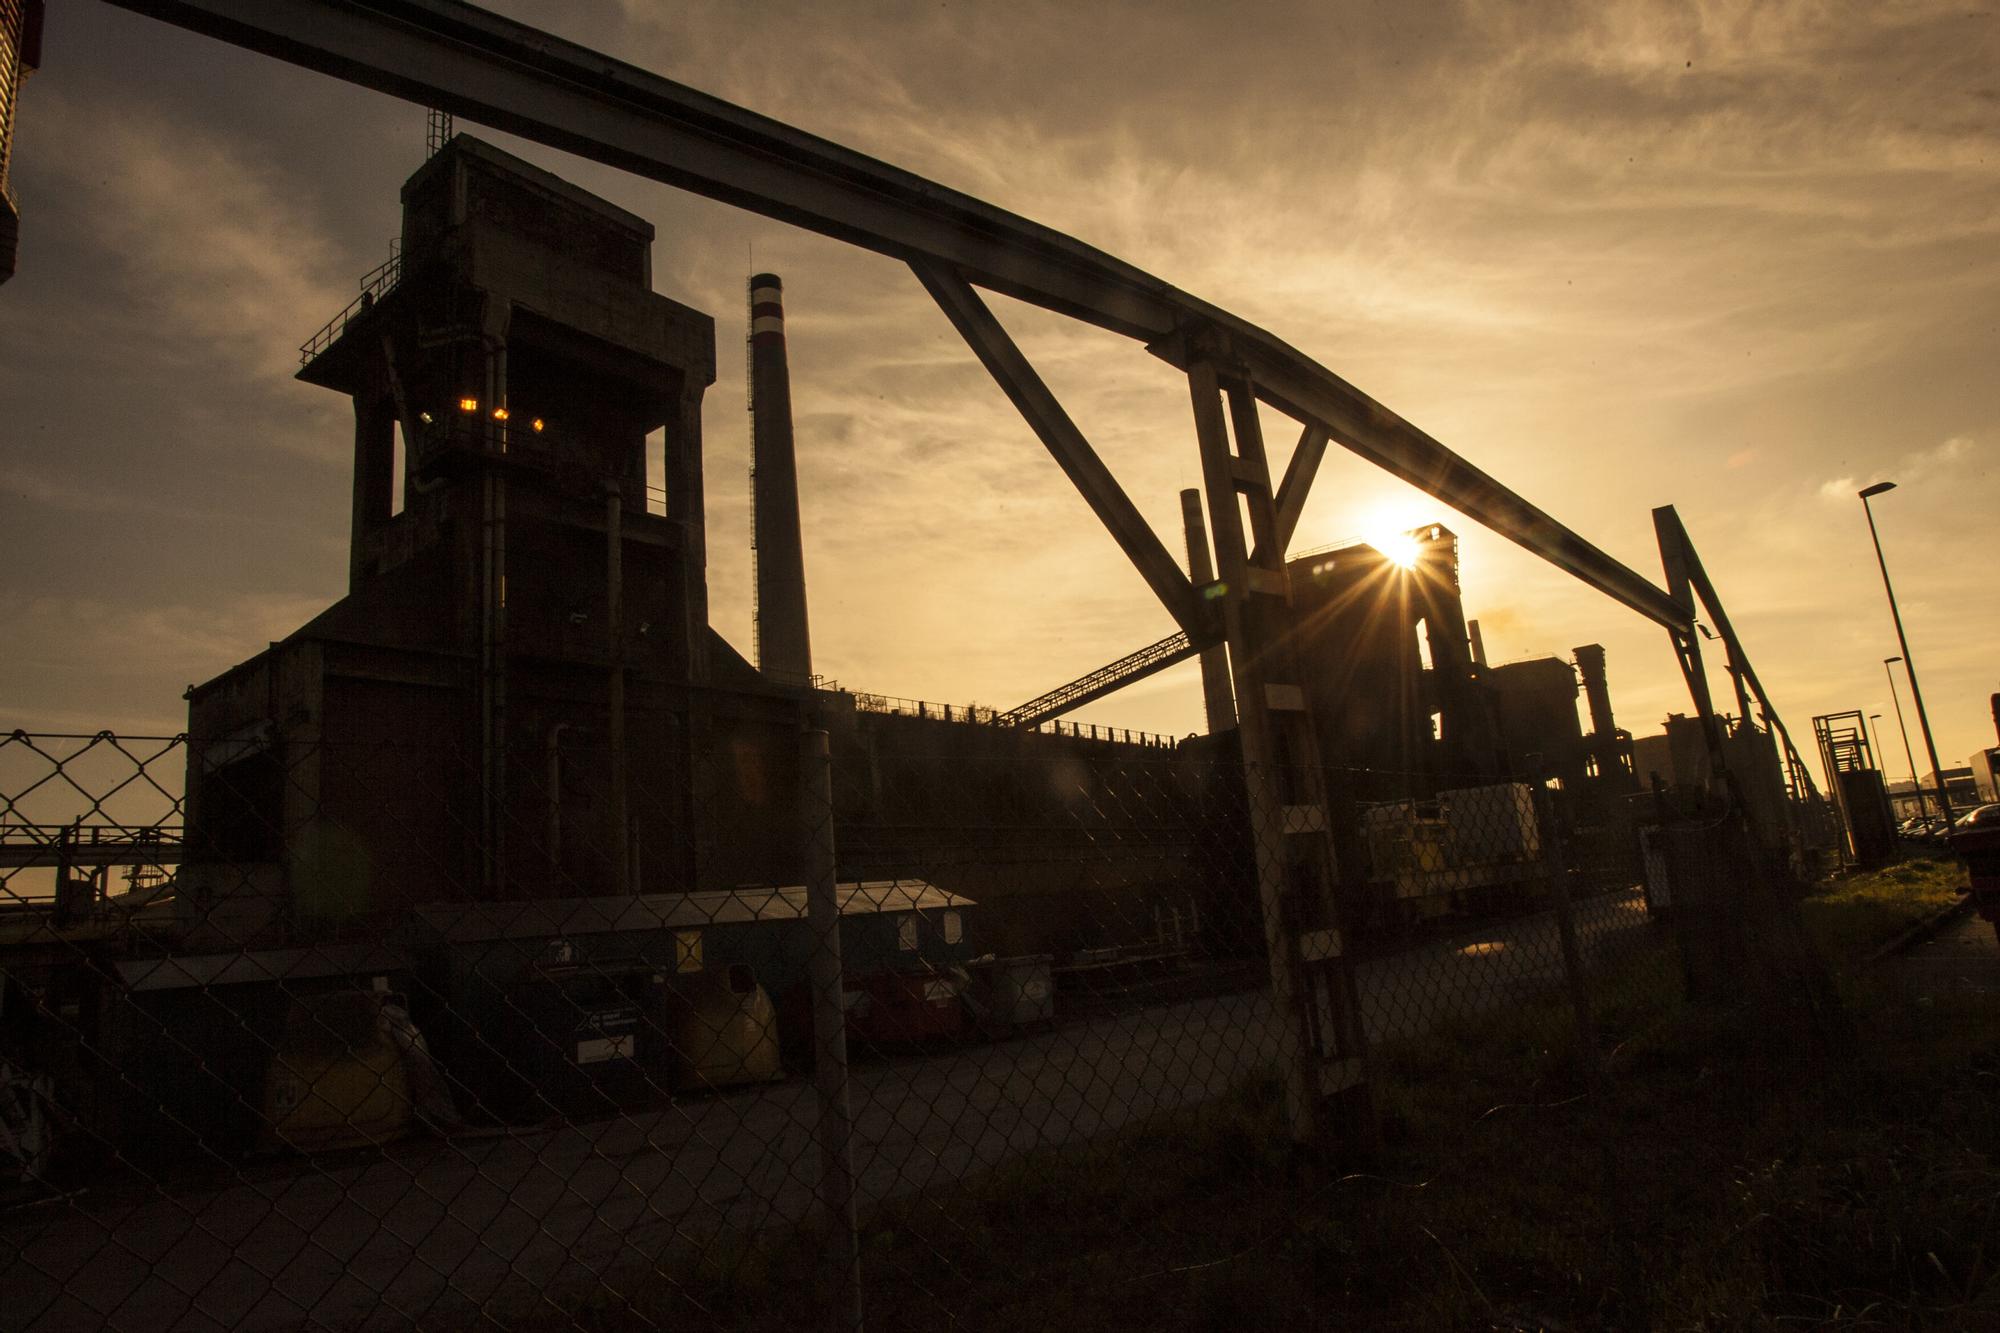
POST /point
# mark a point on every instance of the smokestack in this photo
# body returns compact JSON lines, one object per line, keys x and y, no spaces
{"x":1478,"y":644}
{"x":1590,"y":665}
{"x":784,"y":645}
{"x":1216,"y":696}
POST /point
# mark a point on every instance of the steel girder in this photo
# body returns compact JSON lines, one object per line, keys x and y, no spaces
{"x":516,"y":78}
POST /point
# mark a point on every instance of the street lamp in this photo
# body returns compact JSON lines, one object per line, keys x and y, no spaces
{"x":1909,"y":666}
{"x":1875,"y":738}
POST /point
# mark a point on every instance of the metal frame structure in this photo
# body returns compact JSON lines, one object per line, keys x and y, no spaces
{"x":463,"y":61}
{"x":1688,"y":580}
{"x":470,"y":63}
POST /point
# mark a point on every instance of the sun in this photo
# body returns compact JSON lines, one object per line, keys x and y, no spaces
{"x":1398,"y":548}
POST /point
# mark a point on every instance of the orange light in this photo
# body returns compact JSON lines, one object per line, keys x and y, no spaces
{"x":468,"y":404}
{"x":537,"y":424}
{"x":1401,"y":549}
{"x":499,"y":414}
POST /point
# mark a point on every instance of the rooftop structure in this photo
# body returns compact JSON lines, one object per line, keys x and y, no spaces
{"x":20,"y":54}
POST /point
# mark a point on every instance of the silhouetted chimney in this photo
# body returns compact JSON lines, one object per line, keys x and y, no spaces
{"x":1478,"y":644}
{"x":784,"y":644}
{"x":1590,"y":666}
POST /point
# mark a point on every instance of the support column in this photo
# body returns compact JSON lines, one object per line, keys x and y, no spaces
{"x":1687,"y":643}
{"x":374,"y":481}
{"x":681,"y":474}
{"x":1217,"y":701}
{"x":1321,"y":1044}
{"x":835,"y":1126}
{"x":620,"y":840}
{"x":493,"y":598}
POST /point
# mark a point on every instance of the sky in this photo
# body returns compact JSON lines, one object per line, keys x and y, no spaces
{"x":1742,"y":258}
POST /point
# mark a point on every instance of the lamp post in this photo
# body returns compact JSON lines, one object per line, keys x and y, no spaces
{"x":1875,"y":739}
{"x":1900,"y":726}
{"x":1909,"y":666}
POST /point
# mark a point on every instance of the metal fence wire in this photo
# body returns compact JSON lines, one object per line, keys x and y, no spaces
{"x":638,"y":1030}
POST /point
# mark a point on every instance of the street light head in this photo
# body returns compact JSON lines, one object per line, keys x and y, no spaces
{"x":1887,"y":660}
{"x":1878,"y":488}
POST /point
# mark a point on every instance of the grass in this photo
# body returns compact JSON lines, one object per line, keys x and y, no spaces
{"x":1854,"y":915}
{"x":1718,"y":1176}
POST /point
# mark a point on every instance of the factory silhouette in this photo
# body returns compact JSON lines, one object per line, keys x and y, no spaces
{"x":518,"y":723}
{"x":515,"y":775}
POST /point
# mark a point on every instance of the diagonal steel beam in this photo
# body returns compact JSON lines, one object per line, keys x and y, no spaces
{"x":497,"y":72}
{"x":1065,"y":443}
{"x":1313,"y":395}
{"x":1297,"y":485}
{"x":1668,"y":522}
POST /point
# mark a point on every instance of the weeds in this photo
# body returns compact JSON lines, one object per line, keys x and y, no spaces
{"x":1852,"y":916}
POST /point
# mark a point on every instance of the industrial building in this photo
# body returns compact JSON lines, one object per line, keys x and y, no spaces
{"x":520,"y":698}
{"x":515,"y":748}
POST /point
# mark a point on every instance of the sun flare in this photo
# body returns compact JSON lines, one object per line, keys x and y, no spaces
{"x":1399,"y":548}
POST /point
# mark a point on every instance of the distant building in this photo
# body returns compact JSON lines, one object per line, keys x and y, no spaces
{"x":1678,"y":756}
{"x":20,"y":53}
{"x":1985,"y":769}
{"x":1960,"y":787}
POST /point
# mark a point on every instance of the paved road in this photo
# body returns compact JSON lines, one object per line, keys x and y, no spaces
{"x":377,"y":1240}
{"x":1961,"y":959}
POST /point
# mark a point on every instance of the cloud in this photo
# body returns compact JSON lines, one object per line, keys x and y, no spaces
{"x":1947,"y":457}
{"x":128,"y":661}
{"x":1919,"y":465}
{"x":1614,"y":253}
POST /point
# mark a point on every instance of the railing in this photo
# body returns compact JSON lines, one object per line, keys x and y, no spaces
{"x":1115,"y":675}
{"x":375,"y":284}
{"x":981,"y":715}
{"x":23,"y":845}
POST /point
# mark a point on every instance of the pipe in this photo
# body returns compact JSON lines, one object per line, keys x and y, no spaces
{"x":784,"y":642}
{"x":614,"y":617}
{"x":554,"y":785}
{"x":493,"y":605}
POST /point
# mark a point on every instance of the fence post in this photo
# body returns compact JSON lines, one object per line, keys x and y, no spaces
{"x":1556,"y":856}
{"x":834,"y":1127}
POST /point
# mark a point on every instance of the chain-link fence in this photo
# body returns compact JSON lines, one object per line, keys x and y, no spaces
{"x":661,"y":1029}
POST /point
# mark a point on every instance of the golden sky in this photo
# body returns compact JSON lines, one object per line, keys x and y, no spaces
{"x":1741,"y":258}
